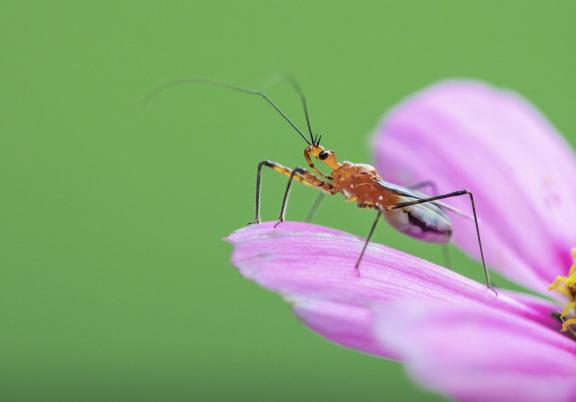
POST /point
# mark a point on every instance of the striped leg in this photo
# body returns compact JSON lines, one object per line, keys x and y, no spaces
{"x":298,"y":174}
{"x":303,"y":176}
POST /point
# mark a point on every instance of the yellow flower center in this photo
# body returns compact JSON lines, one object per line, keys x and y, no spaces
{"x":566,"y":286}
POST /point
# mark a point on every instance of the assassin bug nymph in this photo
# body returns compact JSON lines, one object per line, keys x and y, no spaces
{"x":413,"y":213}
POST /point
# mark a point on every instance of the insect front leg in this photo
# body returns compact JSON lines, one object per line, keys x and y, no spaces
{"x":303,"y":176}
{"x":473,"y":205}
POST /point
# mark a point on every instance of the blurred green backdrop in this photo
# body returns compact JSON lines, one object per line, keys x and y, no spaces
{"x":115,"y":282}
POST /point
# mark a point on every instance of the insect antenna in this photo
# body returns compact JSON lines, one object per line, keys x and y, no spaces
{"x":230,"y":87}
{"x":296,"y":86}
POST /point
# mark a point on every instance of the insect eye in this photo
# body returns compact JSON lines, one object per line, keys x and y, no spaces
{"x":323,"y":155}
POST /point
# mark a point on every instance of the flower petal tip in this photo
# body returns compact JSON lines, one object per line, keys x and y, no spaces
{"x":271,"y":229}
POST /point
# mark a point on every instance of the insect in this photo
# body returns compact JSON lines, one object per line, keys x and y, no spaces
{"x":409,"y":211}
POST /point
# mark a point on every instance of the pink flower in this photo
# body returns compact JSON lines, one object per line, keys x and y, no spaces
{"x":453,"y":335}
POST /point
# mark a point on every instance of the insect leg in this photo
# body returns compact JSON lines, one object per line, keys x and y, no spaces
{"x":287,"y":194}
{"x":307,"y":179}
{"x":434,"y":188}
{"x":359,"y":260}
{"x":303,"y":176}
{"x":258,"y":185}
{"x":449,"y":195}
{"x":314,"y":207}
{"x":446,"y":255}
{"x":274,"y":166}
{"x":426,"y":183}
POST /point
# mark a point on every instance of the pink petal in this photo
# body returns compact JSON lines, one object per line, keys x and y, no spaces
{"x":313,"y":266}
{"x":479,"y":353}
{"x":543,"y":307}
{"x":468,"y":135}
{"x":349,"y":326}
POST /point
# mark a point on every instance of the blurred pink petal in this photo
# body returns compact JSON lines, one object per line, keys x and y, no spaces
{"x":349,"y":326}
{"x":468,"y":135}
{"x":313,"y":267}
{"x":479,"y":353}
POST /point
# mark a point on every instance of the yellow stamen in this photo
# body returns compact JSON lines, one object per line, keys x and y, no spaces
{"x":566,"y":326}
{"x":567,"y":308}
{"x":566,"y":286}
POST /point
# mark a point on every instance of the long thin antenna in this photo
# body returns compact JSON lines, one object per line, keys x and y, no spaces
{"x":227,"y":86}
{"x":294,"y":84}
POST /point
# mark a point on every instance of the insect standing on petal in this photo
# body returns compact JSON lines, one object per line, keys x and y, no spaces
{"x":411,"y":212}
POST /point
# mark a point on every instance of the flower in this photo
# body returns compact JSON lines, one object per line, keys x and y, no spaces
{"x":453,"y":335}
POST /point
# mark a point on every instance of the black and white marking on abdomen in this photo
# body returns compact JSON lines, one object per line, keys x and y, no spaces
{"x":423,"y":222}
{"x":416,"y":221}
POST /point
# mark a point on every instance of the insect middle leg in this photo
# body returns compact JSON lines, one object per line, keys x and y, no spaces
{"x":314,"y":207}
{"x":372,"y":229}
{"x":300,"y":175}
{"x":473,"y":205}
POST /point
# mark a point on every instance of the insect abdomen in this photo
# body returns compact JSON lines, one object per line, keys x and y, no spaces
{"x":423,"y":222}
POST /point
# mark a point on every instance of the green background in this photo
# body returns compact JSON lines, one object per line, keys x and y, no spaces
{"x":115,"y":281}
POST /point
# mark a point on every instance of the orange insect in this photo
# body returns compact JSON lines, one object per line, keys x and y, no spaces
{"x":413,"y":213}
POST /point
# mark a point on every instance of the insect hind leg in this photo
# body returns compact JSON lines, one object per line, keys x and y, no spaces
{"x":434,"y":191}
{"x":427,"y":183}
{"x":475,"y":216}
